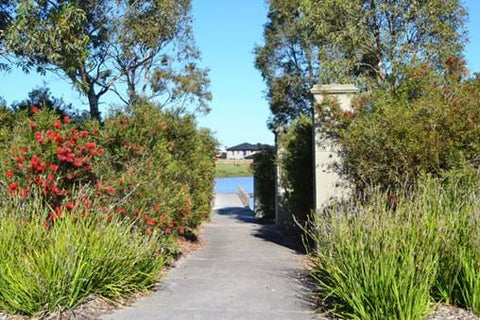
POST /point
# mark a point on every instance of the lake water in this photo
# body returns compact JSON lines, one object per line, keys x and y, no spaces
{"x":230,"y":185}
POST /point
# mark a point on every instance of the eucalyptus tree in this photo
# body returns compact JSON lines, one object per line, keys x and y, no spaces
{"x":374,"y":41}
{"x":138,"y":49}
{"x":288,"y":61}
{"x":368,"y":42}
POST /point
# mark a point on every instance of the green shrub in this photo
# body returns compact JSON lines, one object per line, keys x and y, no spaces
{"x":263,"y":167}
{"x":428,"y":125}
{"x":50,"y":269}
{"x":163,"y":168}
{"x":372,"y":263}
{"x":296,"y":167}
{"x":388,"y":256}
{"x":94,"y":209}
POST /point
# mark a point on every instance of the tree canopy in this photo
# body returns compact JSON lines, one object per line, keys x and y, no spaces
{"x":368,"y":42}
{"x":138,"y":49}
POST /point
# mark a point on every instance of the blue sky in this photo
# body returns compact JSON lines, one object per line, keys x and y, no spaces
{"x":226,"y":32}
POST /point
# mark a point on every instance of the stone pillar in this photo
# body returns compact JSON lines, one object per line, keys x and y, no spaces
{"x":328,"y":184}
{"x":280,"y":214}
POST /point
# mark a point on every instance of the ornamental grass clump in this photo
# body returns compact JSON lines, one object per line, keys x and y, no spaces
{"x":45,"y":270}
{"x":458,"y":278}
{"x":373,"y":263}
{"x":389,"y":257}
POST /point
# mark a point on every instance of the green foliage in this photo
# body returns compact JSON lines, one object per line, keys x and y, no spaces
{"x":430,"y":124}
{"x":62,"y":266}
{"x":287,"y":62}
{"x":296,"y":167}
{"x":368,"y":42}
{"x":374,"y":41}
{"x":263,"y":168}
{"x":42,"y":98}
{"x":89,"y":209}
{"x":163,"y":168}
{"x":388,"y":257}
{"x":146,"y":44}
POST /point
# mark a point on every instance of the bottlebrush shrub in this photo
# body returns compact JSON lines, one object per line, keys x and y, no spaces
{"x":155,"y":168}
{"x":161,"y":167}
{"x":431,"y":123}
{"x":48,"y":155}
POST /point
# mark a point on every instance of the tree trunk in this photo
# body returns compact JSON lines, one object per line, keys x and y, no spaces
{"x":93,"y":102}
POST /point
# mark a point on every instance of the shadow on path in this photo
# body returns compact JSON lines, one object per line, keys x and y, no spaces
{"x":267,"y":230}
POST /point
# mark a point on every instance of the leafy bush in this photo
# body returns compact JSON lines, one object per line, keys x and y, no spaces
{"x":263,"y":167}
{"x":428,"y":125}
{"x":296,"y":166}
{"x":163,"y":169}
{"x":387,"y":258}
{"x":47,"y":270}
{"x":91,"y":209}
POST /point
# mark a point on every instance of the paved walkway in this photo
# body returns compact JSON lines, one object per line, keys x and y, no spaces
{"x":245,"y":272}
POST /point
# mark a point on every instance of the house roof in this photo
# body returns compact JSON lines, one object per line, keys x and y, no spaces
{"x":245,"y":146}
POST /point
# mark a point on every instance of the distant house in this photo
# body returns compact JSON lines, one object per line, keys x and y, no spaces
{"x":242,"y":151}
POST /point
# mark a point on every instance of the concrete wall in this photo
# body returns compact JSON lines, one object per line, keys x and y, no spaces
{"x":328,"y":184}
{"x":281,"y":216}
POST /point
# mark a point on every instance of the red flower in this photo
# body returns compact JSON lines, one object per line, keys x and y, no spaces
{"x":12,"y":188}
{"x":35,"y":109}
{"x":50,"y":177}
{"x":24,"y":192}
{"x":39,"y":137}
{"x":150,"y":222}
{"x":9,"y":173}
{"x":53,"y":216}
{"x":121,"y":211}
{"x":100,"y":151}
{"x":23,"y":149}
{"x":87,"y":204}
{"x":32,"y":125}
{"x":36,"y":161}
{"x":348,"y":114}
{"x":66,"y":119}
{"x":90,"y":145}
{"x":83,"y":134}
{"x":69,"y":206}
{"x":57,"y":124}
{"x":54,"y":168}
{"x":109,"y":218}
{"x":55,"y":190}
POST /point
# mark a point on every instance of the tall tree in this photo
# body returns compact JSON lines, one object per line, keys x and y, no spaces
{"x":136,"y":48}
{"x":369,"y":42}
{"x":287,"y":62}
{"x":365,"y":40}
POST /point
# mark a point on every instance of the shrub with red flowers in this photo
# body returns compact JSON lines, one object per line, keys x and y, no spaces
{"x":153,"y":168}
{"x":48,"y":156}
{"x":164,"y":169}
{"x":429,"y":124}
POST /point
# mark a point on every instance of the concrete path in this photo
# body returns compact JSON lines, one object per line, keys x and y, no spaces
{"x":245,"y":272}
